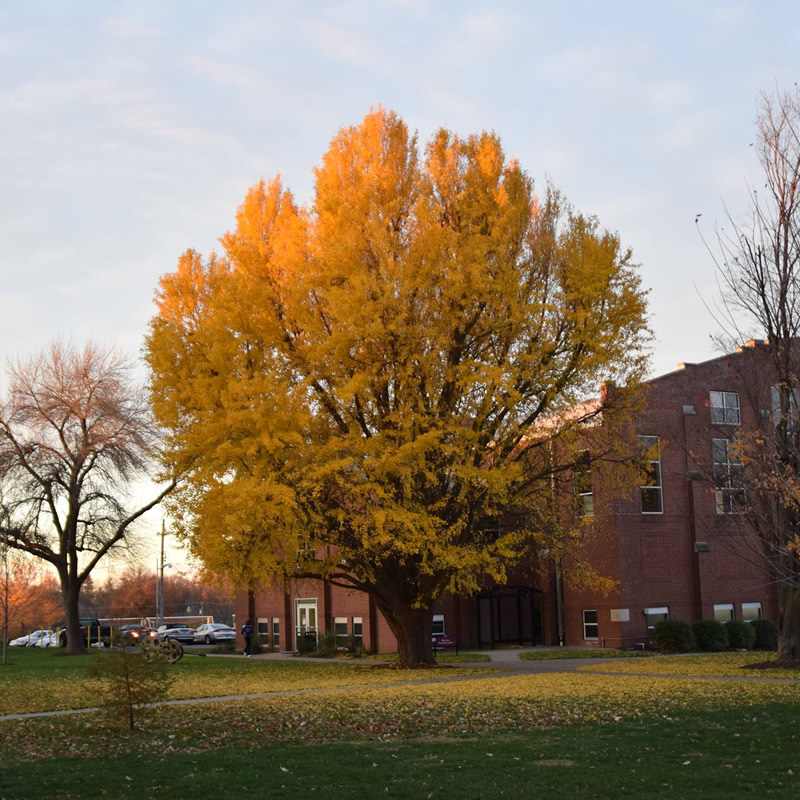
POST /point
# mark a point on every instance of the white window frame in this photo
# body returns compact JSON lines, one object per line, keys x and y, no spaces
{"x":438,"y":628}
{"x":723,"y":612}
{"x":749,"y":607}
{"x":647,"y":442}
{"x":341,"y":635}
{"x":581,"y":478}
{"x":729,"y":495}
{"x":655,"y":611}
{"x":725,"y":408}
{"x":276,"y":632}
{"x":588,"y":624}
{"x":262,"y":626}
{"x":357,"y":626}
{"x":306,"y":603}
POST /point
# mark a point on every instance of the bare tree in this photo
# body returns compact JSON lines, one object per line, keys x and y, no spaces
{"x":75,"y":433}
{"x":759,"y":271}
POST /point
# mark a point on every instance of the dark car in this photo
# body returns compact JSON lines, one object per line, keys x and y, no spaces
{"x":135,"y":633}
{"x":177,"y":632}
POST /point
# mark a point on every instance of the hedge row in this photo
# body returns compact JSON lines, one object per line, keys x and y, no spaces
{"x":677,"y":636}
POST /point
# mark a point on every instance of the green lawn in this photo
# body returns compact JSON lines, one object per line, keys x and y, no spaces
{"x":46,"y":680}
{"x":557,"y":735}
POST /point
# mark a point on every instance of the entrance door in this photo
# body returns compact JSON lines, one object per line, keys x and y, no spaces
{"x":306,"y":623}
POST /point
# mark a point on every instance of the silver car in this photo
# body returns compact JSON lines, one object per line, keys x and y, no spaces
{"x":40,"y":638}
{"x":214,"y":632}
{"x":177,"y":632}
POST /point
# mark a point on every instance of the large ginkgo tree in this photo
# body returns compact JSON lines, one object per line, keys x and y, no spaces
{"x":360,"y":389}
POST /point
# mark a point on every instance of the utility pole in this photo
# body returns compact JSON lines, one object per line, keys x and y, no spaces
{"x":5,"y":606}
{"x":160,"y":587}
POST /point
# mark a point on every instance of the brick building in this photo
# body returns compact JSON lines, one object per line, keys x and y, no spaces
{"x":675,"y":545}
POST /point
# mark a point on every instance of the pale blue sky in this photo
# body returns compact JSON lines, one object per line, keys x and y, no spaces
{"x":130,"y":131}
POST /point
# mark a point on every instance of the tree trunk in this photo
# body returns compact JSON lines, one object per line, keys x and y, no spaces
{"x":788,"y":623}
{"x":412,"y":627}
{"x":70,"y":594}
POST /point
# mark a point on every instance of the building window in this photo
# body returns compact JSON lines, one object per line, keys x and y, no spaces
{"x":723,"y":612}
{"x":784,"y":407}
{"x":591,"y":630}
{"x":654,"y":615}
{"x":438,"y":625}
{"x":751,"y":611}
{"x":305,"y":551}
{"x":727,"y":477}
{"x":650,"y":488}
{"x":276,"y":633}
{"x":262,"y":626}
{"x":490,"y":534}
{"x":724,"y":408}
{"x":340,"y":630}
{"x":582,"y":479}
{"x":358,"y":633}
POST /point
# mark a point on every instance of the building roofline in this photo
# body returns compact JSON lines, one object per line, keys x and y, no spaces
{"x":684,"y":366}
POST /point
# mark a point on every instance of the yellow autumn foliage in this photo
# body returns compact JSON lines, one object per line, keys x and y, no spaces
{"x":364,"y":374}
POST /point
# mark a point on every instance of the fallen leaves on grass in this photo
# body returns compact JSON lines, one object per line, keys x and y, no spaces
{"x":455,"y":710}
{"x":727,"y":664}
{"x":21,"y":692}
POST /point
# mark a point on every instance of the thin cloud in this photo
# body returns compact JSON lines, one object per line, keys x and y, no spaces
{"x":228,"y":74}
{"x":344,"y":45}
{"x":128,"y":31}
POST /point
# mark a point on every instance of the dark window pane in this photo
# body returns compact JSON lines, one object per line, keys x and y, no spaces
{"x":651,"y":500}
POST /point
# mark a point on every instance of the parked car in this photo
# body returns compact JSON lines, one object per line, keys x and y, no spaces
{"x":93,"y":632}
{"x":176,"y":631}
{"x":214,"y":632}
{"x":40,"y":638}
{"x":137,"y":632}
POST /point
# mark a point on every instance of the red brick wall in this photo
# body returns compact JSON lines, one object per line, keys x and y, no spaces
{"x":652,"y":556}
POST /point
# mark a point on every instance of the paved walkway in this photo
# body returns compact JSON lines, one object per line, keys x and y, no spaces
{"x":504,"y":659}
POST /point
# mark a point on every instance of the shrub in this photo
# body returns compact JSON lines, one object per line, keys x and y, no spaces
{"x":128,"y":680}
{"x":741,"y":635}
{"x":306,"y":643}
{"x":709,"y":634}
{"x":327,"y":644}
{"x":672,"y":636}
{"x":766,"y":634}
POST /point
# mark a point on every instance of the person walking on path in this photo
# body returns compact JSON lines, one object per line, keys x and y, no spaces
{"x":247,"y":632}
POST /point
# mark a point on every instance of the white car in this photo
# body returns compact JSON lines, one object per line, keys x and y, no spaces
{"x":40,"y":638}
{"x":213,"y":632}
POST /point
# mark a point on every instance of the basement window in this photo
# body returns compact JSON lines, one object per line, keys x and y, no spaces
{"x":723,"y":612}
{"x":654,"y":615}
{"x":751,"y":611}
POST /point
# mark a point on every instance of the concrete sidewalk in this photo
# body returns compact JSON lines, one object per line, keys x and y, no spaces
{"x":502,"y":660}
